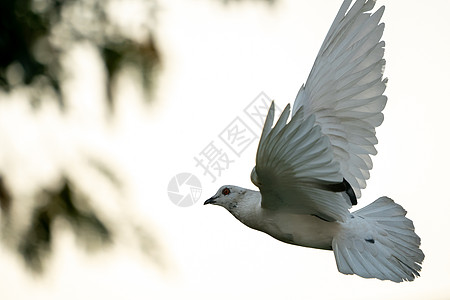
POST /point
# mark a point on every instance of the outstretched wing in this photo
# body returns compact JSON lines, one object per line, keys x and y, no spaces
{"x":344,"y":90}
{"x":295,"y":170}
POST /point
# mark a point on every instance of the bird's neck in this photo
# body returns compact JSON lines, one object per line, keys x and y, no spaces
{"x":248,"y":208}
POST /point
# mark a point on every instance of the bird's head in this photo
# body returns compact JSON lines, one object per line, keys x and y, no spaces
{"x":228,"y":196}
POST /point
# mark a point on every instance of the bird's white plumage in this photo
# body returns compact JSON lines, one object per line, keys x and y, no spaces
{"x":304,"y":166}
{"x":292,"y":161}
{"x":394,"y":253}
{"x":345,"y":89}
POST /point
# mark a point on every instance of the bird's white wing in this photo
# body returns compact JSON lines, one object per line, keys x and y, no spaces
{"x":295,"y":170}
{"x":344,"y":90}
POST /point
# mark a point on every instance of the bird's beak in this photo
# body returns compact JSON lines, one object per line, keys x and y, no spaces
{"x":211,"y":200}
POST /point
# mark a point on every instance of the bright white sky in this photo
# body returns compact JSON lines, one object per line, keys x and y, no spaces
{"x":217,"y":59}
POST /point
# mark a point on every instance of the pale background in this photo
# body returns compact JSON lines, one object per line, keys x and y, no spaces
{"x":217,"y":59}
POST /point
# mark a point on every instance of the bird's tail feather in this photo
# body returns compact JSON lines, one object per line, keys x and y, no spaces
{"x":378,"y":241}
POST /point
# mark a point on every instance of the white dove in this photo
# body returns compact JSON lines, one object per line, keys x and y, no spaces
{"x":311,"y":170}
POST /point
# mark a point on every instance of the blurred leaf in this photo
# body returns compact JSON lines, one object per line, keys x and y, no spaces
{"x":60,"y":203}
{"x":20,"y":27}
{"x":5,"y":198}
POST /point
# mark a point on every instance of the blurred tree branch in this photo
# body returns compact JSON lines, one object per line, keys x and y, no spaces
{"x":90,"y":230}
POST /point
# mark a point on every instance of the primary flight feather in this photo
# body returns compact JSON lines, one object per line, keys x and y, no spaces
{"x":310,"y":170}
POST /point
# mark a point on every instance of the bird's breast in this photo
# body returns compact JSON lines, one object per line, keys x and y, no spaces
{"x":302,"y":230}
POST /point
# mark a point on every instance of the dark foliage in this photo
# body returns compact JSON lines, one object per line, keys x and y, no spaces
{"x":61,"y":204}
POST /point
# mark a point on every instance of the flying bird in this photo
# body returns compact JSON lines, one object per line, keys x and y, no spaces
{"x":310,"y":170}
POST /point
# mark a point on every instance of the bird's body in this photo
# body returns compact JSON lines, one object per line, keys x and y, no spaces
{"x":310,"y":170}
{"x":297,"y":229}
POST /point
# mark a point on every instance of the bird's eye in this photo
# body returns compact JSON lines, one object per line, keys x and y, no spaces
{"x":225,"y":191}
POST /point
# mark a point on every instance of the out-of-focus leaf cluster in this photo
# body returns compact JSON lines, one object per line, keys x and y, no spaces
{"x":61,"y":204}
{"x":34,"y":37}
{"x":35,"y":33}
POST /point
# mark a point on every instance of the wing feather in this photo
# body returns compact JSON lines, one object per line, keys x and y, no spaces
{"x":301,"y":164}
{"x":344,"y":90}
{"x":295,"y":170}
